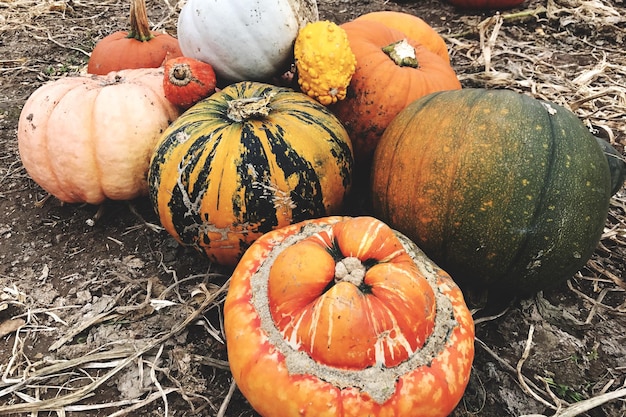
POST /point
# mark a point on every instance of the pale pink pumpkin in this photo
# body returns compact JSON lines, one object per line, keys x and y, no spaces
{"x":89,"y":138}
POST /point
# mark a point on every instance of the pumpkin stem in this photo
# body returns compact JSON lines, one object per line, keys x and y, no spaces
{"x":180,"y":75}
{"x":402,"y":53}
{"x":351,"y":270}
{"x":139,"y":26}
{"x":248,"y":108}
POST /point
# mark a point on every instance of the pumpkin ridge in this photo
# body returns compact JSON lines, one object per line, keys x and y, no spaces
{"x":47,"y":138}
{"x":549,"y":172}
{"x":449,"y":212}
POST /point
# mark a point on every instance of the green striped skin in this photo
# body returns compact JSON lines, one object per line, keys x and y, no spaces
{"x":499,"y":189}
{"x":218,"y":184}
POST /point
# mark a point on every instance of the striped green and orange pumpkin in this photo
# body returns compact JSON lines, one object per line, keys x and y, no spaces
{"x":249,"y":159}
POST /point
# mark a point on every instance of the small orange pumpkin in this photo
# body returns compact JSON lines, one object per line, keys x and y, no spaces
{"x":391,"y":72}
{"x":413,"y":27}
{"x":138,"y":48}
{"x":89,"y":138}
{"x":342,"y":316}
{"x":186,"y":81}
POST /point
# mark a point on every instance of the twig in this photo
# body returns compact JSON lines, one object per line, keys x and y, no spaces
{"x":520,"y":378}
{"x":504,"y":363}
{"x":591,"y":403}
{"x":222,"y":411}
{"x":60,"y":402}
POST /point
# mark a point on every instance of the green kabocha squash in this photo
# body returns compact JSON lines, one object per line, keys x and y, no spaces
{"x":501,"y":190}
{"x":246,"y":160}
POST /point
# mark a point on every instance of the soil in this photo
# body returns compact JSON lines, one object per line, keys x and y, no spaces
{"x":102,"y":313}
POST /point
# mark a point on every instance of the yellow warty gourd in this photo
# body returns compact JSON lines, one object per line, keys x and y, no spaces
{"x":324,"y":61}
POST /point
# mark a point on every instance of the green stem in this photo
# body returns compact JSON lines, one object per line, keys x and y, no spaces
{"x":139,"y":26}
{"x":402,"y":53}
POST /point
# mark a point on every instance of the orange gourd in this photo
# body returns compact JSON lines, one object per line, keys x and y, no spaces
{"x":186,"y":81}
{"x":391,"y":72}
{"x":137,"y":48}
{"x":342,"y":316}
{"x":413,"y":27}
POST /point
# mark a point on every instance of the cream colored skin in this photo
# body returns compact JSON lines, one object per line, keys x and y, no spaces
{"x":244,"y":40}
{"x":90,"y":138}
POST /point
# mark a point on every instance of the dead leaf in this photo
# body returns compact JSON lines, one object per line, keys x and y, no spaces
{"x":10,"y":326}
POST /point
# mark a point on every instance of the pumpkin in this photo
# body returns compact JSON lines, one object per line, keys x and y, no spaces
{"x":85,"y":139}
{"x":245,"y":40}
{"x":324,"y":61}
{"x":346,"y":317}
{"x":186,"y":81}
{"x":137,"y":48}
{"x":617,"y":165}
{"x":503,"y":191}
{"x":486,"y":4}
{"x":413,"y":27}
{"x":392,"y":71}
{"x":246,"y":160}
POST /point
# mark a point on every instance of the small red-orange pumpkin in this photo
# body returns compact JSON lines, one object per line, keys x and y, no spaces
{"x":137,"y":48}
{"x":342,"y":316}
{"x":391,"y":72}
{"x":187,"y":80}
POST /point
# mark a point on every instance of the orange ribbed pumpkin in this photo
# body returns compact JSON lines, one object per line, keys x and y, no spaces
{"x":342,"y":316}
{"x":389,"y":75}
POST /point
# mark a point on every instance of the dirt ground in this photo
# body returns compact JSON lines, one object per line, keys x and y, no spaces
{"x":101,"y":313}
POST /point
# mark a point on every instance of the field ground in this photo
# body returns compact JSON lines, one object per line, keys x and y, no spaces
{"x":109,"y":316}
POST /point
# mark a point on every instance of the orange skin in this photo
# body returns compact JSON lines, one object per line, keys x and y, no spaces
{"x":296,"y":282}
{"x":187,"y":81}
{"x":380,"y":88}
{"x":137,"y":48}
{"x":413,"y":27}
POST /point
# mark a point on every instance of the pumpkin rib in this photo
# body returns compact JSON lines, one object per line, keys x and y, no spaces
{"x":526,"y":243}
{"x":43,"y":165}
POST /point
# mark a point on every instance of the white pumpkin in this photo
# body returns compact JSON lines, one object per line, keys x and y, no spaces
{"x":245,"y":40}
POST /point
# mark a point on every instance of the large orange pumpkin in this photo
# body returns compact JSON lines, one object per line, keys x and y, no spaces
{"x":391,"y":72}
{"x":342,"y":316}
{"x":413,"y":27}
{"x":89,"y":138}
